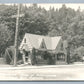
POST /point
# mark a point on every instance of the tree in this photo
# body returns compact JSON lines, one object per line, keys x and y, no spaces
{"x":36,"y":20}
{"x":5,"y":37}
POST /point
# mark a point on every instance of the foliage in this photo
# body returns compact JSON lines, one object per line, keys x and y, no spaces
{"x":78,"y":54}
{"x":53,"y":22}
{"x":5,"y":37}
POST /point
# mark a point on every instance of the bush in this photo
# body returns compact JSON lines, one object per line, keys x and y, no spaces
{"x":78,"y":54}
{"x":76,"y":58}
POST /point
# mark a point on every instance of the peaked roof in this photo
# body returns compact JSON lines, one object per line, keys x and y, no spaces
{"x":36,"y":40}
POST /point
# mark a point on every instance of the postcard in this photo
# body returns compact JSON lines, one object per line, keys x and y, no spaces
{"x":41,"y":41}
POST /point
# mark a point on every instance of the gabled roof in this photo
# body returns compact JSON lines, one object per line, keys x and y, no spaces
{"x":36,"y":40}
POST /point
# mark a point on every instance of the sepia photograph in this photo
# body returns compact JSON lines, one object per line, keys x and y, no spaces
{"x":41,"y":42}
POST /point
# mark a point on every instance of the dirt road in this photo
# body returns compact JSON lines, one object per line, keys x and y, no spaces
{"x":56,"y":72}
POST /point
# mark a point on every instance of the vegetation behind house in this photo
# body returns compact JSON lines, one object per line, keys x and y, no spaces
{"x":36,"y":20}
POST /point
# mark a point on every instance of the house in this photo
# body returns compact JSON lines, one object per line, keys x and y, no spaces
{"x":53,"y":46}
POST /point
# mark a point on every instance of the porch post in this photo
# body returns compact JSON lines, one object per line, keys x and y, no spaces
{"x":33,"y":56}
{"x":67,"y":54}
{"x":56,"y":58}
{"x":66,"y":58}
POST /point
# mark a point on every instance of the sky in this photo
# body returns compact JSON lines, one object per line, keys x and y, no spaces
{"x":59,"y":5}
{"x":74,"y":6}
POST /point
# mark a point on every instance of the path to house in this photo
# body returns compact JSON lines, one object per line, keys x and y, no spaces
{"x":29,"y":73}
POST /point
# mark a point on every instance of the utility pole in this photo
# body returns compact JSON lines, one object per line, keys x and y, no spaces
{"x":16,"y":36}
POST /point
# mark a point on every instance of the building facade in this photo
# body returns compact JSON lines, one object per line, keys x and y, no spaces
{"x":47,"y":50}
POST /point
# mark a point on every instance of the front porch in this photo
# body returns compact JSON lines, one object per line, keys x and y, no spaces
{"x":49,"y":57}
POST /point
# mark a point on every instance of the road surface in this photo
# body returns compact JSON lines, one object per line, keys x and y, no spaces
{"x":43,"y":73}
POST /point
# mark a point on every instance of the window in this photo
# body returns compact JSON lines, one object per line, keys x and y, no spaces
{"x":62,"y":46}
{"x":43,"y":45}
{"x":25,"y":40}
{"x":60,"y":56}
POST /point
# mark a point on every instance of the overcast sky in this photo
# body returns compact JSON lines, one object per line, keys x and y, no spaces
{"x":58,"y":5}
{"x":74,"y":6}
